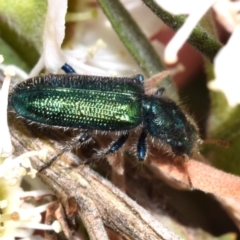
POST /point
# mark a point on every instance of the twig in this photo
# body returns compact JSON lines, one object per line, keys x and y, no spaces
{"x":99,"y":202}
{"x":201,"y":39}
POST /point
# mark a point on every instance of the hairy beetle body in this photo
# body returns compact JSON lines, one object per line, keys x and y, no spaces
{"x":105,"y":104}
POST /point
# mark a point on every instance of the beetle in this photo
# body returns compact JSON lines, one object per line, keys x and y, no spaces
{"x":109,"y":104}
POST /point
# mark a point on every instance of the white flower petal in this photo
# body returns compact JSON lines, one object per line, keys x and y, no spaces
{"x":184,"y":32}
{"x":56,"y":226}
{"x":3,"y":203}
{"x":226,"y":67}
{"x":228,"y":13}
{"x":5,"y":139}
{"x":37,"y":68}
{"x":54,"y":31}
{"x":33,"y":225}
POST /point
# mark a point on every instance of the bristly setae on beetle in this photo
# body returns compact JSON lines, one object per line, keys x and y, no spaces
{"x":111,"y":104}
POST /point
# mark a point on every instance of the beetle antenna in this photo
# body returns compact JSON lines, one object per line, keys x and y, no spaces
{"x":217,"y":142}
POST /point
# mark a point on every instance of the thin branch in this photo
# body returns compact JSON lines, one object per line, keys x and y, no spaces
{"x":132,"y":37}
{"x":201,"y":39}
{"x":97,"y":197}
{"x":135,"y":41}
{"x":99,"y":202}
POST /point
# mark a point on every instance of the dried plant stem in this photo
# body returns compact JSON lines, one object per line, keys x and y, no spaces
{"x":99,"y":202}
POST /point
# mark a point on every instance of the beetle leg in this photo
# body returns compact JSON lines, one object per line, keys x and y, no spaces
{"x":139,"y":78}
{"x":117,"y":144}
{"x":142,"y":146}
{"x":83,"y":138}
{"x":67,"y":68}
